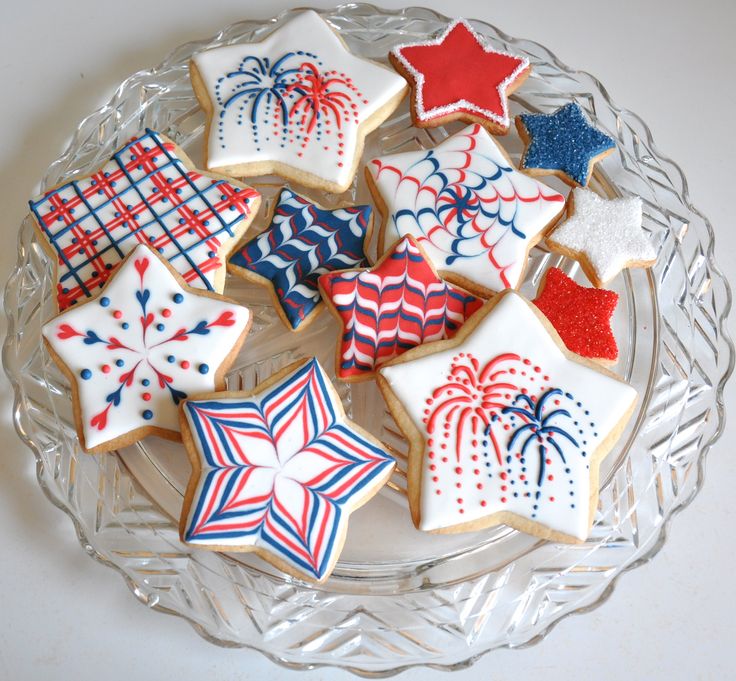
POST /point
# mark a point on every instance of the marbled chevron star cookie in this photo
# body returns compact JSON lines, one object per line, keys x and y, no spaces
{"x":395,"y":305}
{"x":302,"y":242}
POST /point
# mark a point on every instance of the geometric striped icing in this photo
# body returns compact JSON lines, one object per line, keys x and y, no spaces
{"x":143,"y":194}
{"x":281,"y":471}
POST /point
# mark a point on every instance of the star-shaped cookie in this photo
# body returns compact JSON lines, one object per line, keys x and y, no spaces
{"x":395,"y":305}
{"x":505,"y":426}
{"x":277,"y":471}
{"x":475,"y":216}
{"x":562,"y":143}
{"x":459,"y":76}
{"x":298,"y":104}
{"x":302,"y":242}
{"x":138,"y":349}
{"x":604,"y":235}
{"x":148,"y":192}
{"x":581,"y":315}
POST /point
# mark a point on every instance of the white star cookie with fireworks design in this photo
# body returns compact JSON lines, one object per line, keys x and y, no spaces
{"x":505,"y":426}
{"x":143,"y":345}
{"x":475,"y":216}
{"x":298,"y":104}
{"x":605,"y":236}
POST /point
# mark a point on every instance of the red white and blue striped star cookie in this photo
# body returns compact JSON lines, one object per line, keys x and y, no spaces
{"x":278,"y":470}
{"x":136,"y":351}
{"x":147,"y":193}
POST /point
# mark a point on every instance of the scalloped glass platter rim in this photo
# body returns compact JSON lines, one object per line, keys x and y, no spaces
{"x":414,"y":600}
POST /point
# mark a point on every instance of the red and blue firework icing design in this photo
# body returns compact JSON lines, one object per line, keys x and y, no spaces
{"x":288,"y":101}
{"x":472,"y":212}
{"x":303,"y":242}
{"x":279,"y":469}
{"x":500,"y":434}
{"x":143,"y":195}
{"x":141,"y":347}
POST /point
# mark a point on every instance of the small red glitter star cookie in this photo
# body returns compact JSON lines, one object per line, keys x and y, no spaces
{"x":581,"y":315}
{"x":458,"y":77}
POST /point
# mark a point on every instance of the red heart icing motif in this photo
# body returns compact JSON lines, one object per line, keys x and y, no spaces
{"x":65,"y":331}
{"x":227,"y":318}
{"x":141,"y":265}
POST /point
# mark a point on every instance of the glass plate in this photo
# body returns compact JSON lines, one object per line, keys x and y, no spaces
{"x":398,"y":597}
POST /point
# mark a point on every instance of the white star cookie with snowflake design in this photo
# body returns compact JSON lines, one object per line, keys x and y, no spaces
{"x":505,"y":426}
{"x":298,"y":104}
{"x":604,"y":235}
{"x":144,"y":344}
{"x":473,"y":213}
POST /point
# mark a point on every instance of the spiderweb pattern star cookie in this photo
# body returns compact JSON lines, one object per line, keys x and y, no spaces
{"x":302,"y":242}
{"x":278,"y":471}
{"x":395,"y":305}
{"x":562,"y":143}
{"x":147,"y":193}
{"x":458,"y":76}
{"x":147,"y":342}
{"x":298,"y":104}
{"x":604,"y":235}
{"x":505,"y":426}
{"x":475,"y":216}
{"x":581,"y":315}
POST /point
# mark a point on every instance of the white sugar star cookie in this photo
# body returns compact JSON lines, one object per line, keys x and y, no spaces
{"x":505,"y":426}
{"x":299,"y":104}
{"x":604,"y":235}
{"x":473,"y":213}
{"x":142,"y":346}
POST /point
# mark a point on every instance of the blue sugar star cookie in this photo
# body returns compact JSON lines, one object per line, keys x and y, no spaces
{"x":562,"y":143}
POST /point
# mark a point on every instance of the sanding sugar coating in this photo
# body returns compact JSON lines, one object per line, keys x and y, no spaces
{"x":563,"y":141}
{"x":607,"y":232}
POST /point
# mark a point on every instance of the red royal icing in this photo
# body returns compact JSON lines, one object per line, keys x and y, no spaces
{"x":581,"y":315}
{"x":459,"y":70}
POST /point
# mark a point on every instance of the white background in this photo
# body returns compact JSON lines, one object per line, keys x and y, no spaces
{"x":63,"y":616}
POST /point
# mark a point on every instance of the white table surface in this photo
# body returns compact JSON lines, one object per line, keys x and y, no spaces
{"x":63,"y":616}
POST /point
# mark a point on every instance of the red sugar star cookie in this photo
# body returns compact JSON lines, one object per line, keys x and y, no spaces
{"x":458,"y":77}
{"x":581,"y":315}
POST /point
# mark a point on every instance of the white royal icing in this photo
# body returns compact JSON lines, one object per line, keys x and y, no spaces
{"x":172,"y":340}
{"x":281,"y":471}
{"x":473,"y":465}
{"x":471,"y":211}
{"x":266,"y":97}
{"x":608,"y":232}
{"x":428,"y":114}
